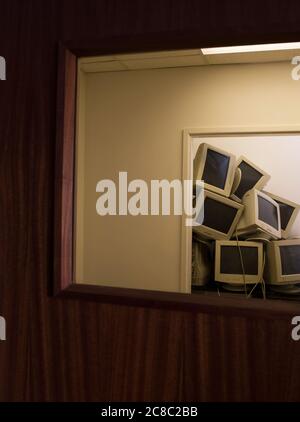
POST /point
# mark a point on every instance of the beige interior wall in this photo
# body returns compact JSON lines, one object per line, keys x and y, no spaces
{"x":134,"y":122}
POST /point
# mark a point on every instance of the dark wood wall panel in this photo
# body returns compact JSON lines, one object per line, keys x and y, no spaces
{"x":78,"y":350}
{"x":257,"y":358}
{"x":103,"y":352}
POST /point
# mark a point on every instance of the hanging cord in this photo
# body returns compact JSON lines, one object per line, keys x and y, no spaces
{"x":242,"y":263}
{"x":262,"y":280}
{"x":263,"y":284}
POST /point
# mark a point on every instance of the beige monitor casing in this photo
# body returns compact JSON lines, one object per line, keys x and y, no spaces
{"x":238,"y":278}
{"x":250,"y":223}
{"x":273,"y":271}
{"x":201,"y":263}
{"x":210,"y":233}
{"x":286,"y":233}
{"x":199,"y":165}
{"x":265,"y":177}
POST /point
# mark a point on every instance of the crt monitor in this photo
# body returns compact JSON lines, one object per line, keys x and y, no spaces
{"x":215,"y":167}
{"x":251,"y":177}
{"x":221,"y":216}
{"x":288,"y":214}
{"x":238,"y":262}
{"x":283,"y":262}
{"x":261,"y":216}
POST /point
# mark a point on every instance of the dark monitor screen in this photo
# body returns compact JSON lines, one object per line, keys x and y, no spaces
{"x":231,"y":260}
{"x":286,"y":212}
{"x":215,"y":169}
{"x":249,"y":178}
{"x":217,"y":215}
{"x":267,"y":212}
{"x":290,"y":259}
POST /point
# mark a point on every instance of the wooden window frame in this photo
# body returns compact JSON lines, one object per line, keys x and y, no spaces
{"x":64,"y":285}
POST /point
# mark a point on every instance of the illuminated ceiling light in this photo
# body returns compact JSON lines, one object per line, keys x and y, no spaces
{"x":251,"y":48}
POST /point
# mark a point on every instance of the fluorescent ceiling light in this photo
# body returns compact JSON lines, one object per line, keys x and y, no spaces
{"x":251,"y":48}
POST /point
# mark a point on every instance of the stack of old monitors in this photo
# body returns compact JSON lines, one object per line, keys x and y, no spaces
{"x":219,"y":215}
{"x":248,"y":228}
{"x":282,"y":271}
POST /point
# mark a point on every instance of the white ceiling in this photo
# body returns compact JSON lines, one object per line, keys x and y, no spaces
{"x":179,"y":58}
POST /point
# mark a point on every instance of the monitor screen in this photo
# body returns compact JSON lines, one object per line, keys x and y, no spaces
{"x":267,"y":212}
{"x":215,"y":169}
{"x":249,"y":178}
{"x":217,"y":215}
{"x":286,"y":211}
{"x":231,"y":260}
{"x":290,"y":259}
